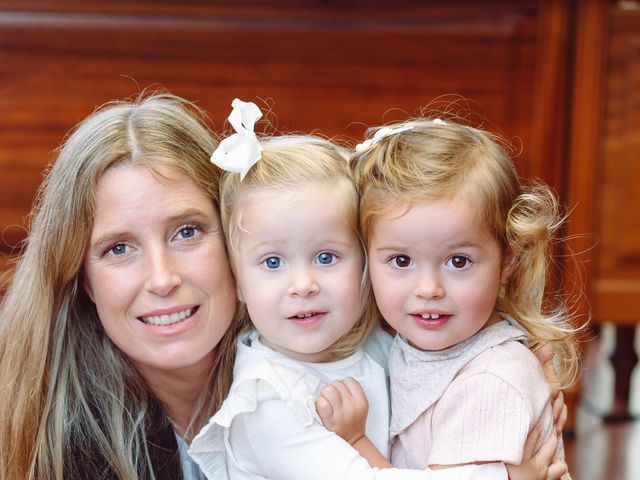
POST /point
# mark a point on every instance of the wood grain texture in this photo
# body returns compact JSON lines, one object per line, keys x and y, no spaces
{"x":617,"y":284}
{"x":583,"y":154}
{"x":330,"y":67}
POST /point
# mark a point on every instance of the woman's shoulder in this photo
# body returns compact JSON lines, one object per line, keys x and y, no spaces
{"x":88,"y":461}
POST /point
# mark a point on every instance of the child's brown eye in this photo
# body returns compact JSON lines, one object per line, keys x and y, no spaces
{"x":458,"y":261}
{"x":402,"y":261}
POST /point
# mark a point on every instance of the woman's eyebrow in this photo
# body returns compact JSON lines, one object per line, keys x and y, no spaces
{"x":187,"y":213}
{"x":112,"y":236}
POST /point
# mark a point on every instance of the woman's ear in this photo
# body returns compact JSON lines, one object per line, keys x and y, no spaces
{"x":508,"y":260}
{"x":86,"y":285}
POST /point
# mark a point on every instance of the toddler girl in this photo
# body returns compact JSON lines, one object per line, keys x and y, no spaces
{"x":289,"y":210}
{"x":457,"y":253}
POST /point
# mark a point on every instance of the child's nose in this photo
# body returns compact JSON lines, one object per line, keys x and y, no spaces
{"x":429,"y":286}
{"x":303,"y":283}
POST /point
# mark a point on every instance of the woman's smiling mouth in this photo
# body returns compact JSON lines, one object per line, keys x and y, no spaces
{"x":169,"y":319}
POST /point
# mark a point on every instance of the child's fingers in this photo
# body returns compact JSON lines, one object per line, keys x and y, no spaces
{"x":562,"y":420}
{"x":343,"y":392}
{"x":530,"y":444}
{"x":547,"y":451}
{"x":331,"y":394}
{"x":324,"y":409}
{"x":544,"y":354}
{"x":556,"y":470}
{"x":556,"y":406}
{"x":559,"y":412}
{"x":355,"y":390}
{"x":353,"y":386}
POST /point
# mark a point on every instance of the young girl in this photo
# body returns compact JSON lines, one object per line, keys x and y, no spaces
{"x":289,"y":213}
{"x":458,"y":252}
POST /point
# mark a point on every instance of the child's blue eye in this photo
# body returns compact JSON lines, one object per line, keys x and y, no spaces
{"x":272,"y":263}
{"x":458,"y":262}
{"x":325,"y":258}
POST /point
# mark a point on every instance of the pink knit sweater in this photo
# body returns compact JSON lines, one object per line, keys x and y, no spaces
{"x":484,"y":414}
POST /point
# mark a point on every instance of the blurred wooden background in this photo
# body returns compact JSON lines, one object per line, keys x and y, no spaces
{"x":560,"y":79}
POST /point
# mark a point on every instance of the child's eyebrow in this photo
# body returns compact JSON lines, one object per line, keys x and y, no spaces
{"x":391,"y":247}
{"x":337,"y":242}
{"x":465,"y":245}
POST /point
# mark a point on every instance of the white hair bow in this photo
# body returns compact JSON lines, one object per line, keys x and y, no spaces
{"x":385,"y":132}
{"x":240,"y":151}
{"x":379,"y":135}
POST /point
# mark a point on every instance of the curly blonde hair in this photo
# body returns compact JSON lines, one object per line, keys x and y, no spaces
{"x":428,"y":159}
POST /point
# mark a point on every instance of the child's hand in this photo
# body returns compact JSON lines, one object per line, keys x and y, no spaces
{"x":545,"y":355}
{"x":343,"y":408}
{"x":559,"y":411}
{"x":541,"y":465}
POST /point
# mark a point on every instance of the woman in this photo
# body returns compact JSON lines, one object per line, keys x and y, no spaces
{"x":115,"y":334}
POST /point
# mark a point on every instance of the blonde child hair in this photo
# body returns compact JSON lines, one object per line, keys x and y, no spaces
{"x":288,"y":162}
{"x":58,"y":368}
{"x":424,"y":159}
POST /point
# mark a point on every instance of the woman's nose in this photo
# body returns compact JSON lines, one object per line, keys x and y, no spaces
{"x":163,"y":275}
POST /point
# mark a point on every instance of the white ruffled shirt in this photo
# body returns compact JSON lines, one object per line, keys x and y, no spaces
{"x":268,"y":428}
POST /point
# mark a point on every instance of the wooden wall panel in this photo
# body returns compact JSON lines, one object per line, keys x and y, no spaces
{"x":334,"y":67}
{"x":617,"y":275}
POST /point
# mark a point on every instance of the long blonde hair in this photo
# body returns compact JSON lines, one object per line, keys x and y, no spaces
{"x":426,"y":159}
{"x":289,"y":162}
{"x":62,"y":381}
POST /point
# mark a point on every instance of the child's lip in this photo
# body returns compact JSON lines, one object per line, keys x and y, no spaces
{"x":301,"y":315}
{"x":435,"y":313}
{"x":431,"y":323}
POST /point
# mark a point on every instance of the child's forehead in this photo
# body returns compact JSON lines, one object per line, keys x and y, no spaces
{"x":397,"y":206}
{"x":324,"y":191}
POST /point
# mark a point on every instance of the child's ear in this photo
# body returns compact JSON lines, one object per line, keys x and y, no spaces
{"x":239,"y":293}
{"x":508,"y":260}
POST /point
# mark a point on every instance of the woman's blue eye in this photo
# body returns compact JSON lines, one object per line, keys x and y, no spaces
{"x":188,"y":231}
{"x":118,"y":249}
{"x":458,"y":262}
{"x":325,"y":258}
{"x":401,"y":261}
{"x":272,"y":262}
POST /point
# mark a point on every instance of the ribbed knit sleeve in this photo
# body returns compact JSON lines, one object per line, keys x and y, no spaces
{"x":490,"y":407}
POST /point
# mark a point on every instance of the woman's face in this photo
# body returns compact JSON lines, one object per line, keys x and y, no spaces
{"x":157,"y":270}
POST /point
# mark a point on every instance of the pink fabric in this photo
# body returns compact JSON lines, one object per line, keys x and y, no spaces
{"x":485,"y":414}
